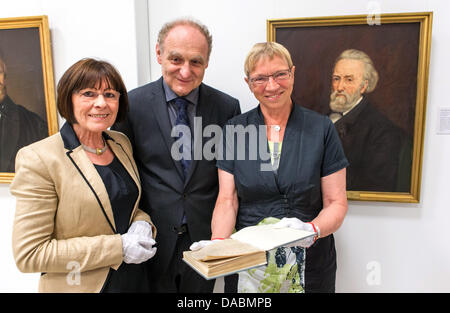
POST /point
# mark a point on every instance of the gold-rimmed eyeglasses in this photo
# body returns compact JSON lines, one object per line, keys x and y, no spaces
{"x":91,"y":94}
{"x":279,"y":77}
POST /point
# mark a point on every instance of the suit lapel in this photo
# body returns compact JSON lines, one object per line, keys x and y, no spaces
{"x":346,"y":122}
{"x":88,"y":172}
{"x":158,"y":104}
{"x":93,"y":179}
{"x":204,"y":111}
{"x":125,"y":159}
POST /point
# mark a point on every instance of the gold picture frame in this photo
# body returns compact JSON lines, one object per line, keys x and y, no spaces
{"x":399,"y":45}
{"x":28,"y":88}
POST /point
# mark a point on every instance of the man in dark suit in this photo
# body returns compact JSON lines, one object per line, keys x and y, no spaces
{"x":379,"y":152}
{"x":19,"y":127}
{"x":179,"y":195}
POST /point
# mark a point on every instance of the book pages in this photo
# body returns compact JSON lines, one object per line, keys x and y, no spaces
{"x":268,"y":237}
{"x":224,"y":249}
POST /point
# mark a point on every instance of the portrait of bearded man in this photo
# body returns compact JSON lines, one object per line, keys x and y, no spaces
{"x":19,"y":126}
{"x":376,"y":148}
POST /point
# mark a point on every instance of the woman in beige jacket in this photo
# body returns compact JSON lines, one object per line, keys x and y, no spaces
{"x":77,"y":219}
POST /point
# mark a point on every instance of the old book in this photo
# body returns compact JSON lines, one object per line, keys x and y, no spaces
{"x":244,"y":250}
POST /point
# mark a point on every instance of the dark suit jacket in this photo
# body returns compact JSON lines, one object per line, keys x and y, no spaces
{"x":164,"y":192}
{"x":376,"y":150}
{"x":18,"y":128}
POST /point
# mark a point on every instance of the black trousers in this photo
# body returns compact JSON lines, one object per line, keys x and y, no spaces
{"x":231,"y":283}
{"x":179,"y":277}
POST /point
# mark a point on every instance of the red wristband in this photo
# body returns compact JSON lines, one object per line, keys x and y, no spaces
{"x":314,"y":226}
{"x":315,"y":230}
{"x":217,"y":238}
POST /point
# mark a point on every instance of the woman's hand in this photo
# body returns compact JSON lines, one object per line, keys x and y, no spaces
{"x":295,"y":223}
{"x":138,"y":243}
{"x":142,"y":228}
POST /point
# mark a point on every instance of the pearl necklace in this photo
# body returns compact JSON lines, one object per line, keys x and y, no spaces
{"x":97,"y":151}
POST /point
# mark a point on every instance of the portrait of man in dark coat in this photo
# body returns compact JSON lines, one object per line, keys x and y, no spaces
{"x":18,"y":126}
{"x":379,"y":151}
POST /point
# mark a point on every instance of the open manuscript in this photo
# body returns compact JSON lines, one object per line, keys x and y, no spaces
{"x":244,"y":250}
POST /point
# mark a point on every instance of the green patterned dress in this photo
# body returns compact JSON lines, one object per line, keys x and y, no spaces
{"x":284,"y":272}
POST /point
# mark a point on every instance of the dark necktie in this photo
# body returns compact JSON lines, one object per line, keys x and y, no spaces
{"x":183,"y":119}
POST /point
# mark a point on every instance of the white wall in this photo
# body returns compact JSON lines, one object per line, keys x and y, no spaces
{"x":409,"y":242}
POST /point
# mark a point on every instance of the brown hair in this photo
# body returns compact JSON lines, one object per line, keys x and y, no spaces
{"x":89,"y":73}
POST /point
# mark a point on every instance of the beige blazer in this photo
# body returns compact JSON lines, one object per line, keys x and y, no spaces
{"x":64,"y":224}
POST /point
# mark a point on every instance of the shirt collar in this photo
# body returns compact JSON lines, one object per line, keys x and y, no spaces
{"x":171,"y":95}
{"x":356,"y":103}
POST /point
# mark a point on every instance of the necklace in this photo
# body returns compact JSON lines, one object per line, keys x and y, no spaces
{"x":276,"y":127}
{"x":97,"y":151}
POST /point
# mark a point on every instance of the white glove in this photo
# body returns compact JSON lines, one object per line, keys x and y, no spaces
{"x":293,"y":222}
{"x":141,"y":228}
{"x":137,"y":248}
{"x":201,"y":244}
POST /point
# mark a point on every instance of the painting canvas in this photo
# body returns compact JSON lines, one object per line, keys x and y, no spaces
{"x":381,"y":120}
{"x":27,"y":101}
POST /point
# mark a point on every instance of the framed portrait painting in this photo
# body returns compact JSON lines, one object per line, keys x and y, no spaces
{"x":27,"y":96}
{"x":371,"y":80}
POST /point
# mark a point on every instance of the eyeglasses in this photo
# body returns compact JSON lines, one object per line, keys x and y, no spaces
{"x":110,"y":96}
{"x":279,"y":77}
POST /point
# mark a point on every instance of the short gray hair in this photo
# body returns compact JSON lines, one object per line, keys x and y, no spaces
{"x":184,"y":21}
{"x":370,"y":73}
